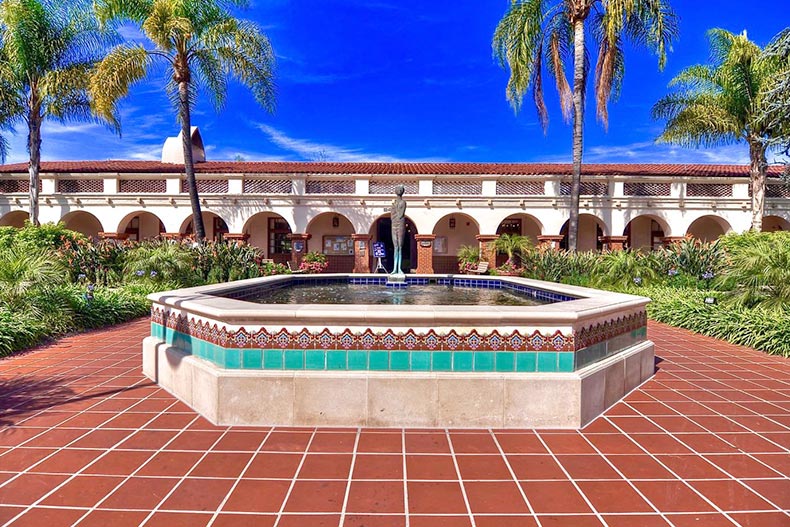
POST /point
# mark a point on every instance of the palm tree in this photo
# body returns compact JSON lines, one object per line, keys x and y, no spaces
{"x":534,"y":33}
{"x":201,"y":44}
{"x":721,"y":103}
{"x":512,"y":244}
{"x":776,"y":110}
{"x":47,"y":50}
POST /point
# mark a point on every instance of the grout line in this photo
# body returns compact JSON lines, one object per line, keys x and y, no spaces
{"x":460,"y":479}
{"x":350,"y":477}
{"x":515,"y":478}
{"x":293,"y":480}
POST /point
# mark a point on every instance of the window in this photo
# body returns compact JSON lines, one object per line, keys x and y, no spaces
{"x":278,"y":236}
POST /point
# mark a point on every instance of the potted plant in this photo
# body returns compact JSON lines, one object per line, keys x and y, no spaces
{"x":512,"y":245}
{"x":468,"y":258}
{"x":314,"y":263}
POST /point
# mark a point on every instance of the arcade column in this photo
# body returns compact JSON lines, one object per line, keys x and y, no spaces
{"x":487,"y":250}
{"x":551,"y":241}
{"x":425,"y":253}
{"x":298,"y":247}
{"x":613,"y":243}
{"x":361,"y":253}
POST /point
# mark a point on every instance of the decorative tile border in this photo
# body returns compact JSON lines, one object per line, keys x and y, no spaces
{"x":368,"y":339}
{"x":368,"y":360}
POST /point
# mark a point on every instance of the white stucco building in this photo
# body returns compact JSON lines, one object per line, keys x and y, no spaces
{"x":338,"y":208}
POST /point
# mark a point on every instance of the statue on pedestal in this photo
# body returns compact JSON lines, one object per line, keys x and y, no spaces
{"x":398,"y":218}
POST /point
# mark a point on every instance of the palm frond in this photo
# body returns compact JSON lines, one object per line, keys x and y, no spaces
{"x":517,"y":41}
{"x":122,"y":67}
{"x":122,"y":10}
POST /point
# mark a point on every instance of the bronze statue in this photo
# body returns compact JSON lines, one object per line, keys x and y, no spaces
{"x":398,"y":218}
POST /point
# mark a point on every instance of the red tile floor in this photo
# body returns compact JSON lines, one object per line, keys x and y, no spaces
{"x":86,"y":440}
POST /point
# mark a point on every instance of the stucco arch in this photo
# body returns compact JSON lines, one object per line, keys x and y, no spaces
{"x":645,"y":231}
{"x":269,"y":236}
{"x":141,"y":225}
{"x":380,"y":231}
{"x":83,"y":222}
{"x":214,"y":229}
{"x":708,"y":228}
{"x":775,"y":223}
{"x":454,"y":230}
{"x":591,"y":227}
{"x":14,"y":218}
{"x":528,"y":225}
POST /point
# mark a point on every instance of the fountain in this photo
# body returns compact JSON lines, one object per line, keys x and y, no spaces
{"x":238,"y":358}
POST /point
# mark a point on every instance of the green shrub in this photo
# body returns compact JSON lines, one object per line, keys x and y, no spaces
{"x":696,"y":258}
{"x":623,"y":269}
{"x":162,"y":261}
{"x":46,"y":236}
{"x":758,"y":270}
{"x":226,"y":261}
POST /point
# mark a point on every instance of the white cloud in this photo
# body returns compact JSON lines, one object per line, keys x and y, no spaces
{"x":313,"y":151}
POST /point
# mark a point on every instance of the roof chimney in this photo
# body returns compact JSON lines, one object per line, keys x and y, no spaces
{"x":173,"y":150}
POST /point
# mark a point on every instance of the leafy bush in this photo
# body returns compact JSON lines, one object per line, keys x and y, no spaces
{"x":758,"y":271}
{"x":624,"y":268}
{"x":468,"y":258}
{"x":162,"y":261}
{"x":47,"y":236}
{"x":314,"y":263}
{"x":99,"y":262}
{"x":695,"y":258}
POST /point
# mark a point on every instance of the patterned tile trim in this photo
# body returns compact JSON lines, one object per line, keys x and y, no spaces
{"x":603,"y":331}
{"x":267,"y":338}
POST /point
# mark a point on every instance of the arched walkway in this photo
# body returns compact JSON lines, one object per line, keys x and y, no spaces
{"x":775,"y":223}
{"x":646,"y":232}
{"x":269,"y":232}
{"x":523,"y":224}
{"x":14,"y":219}
{"x":708,"y":228}
{"x":331,"y":235}
{"x":141,"y":225}
{"x":591,"y":228}
{"x":215,"y":226}
{"x":381,"y":231}
{"x":83,"y":222}
{"x":452,"y":231}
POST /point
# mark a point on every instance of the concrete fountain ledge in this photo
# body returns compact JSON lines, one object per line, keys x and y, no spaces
{"x":553,"y":365}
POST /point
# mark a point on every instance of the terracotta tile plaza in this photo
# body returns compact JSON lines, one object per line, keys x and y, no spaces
{"x":86,"y":440}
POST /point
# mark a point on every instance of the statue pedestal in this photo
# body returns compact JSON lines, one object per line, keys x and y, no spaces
{"x":397,"y":281}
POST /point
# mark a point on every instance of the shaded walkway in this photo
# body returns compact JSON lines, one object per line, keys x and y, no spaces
{"x":86,"y":440}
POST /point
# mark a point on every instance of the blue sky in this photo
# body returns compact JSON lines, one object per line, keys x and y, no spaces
{"x":408,"y":80}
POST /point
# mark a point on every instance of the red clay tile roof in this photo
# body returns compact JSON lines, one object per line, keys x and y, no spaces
{"x":289,"y":167}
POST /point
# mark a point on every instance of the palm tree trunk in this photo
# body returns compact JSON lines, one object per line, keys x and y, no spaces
{"x":578,"y":130}
{"x":189,"y":164}
{"x":34,"y":166}
{"x":757,"y":170}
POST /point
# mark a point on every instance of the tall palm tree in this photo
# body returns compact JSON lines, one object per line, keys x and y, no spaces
{"x":776,"y":110}
{"x":47,"y":50}
{"x":721,"y":103}
{"x":201,"y":44}
{"x":535,"y":34}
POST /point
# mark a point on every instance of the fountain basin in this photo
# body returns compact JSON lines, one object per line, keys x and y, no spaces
{"x":554,"y":365}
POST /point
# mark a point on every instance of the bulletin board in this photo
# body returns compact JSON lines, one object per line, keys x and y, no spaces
{"x":338,"y":245}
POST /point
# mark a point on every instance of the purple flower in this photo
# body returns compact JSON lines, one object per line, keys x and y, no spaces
{"x":673,"y":272}
{"x":139,"y":272}
{"x":708,"y":275}
{"x":638,"y":280}
{"x":91,"y":287}
{"x":81,"y":276}
{"x":153,"y":274}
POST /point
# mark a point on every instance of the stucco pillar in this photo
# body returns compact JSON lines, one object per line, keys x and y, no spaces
{"x":236,"y":237}
{"x":361,"y":252}
{"x":552,"y":241}
{"x":669,"y":240}
{"x":487,"y":251}
{"x":613,"y":243}
{"x":425,"y":253}
{"x":298,"y":247}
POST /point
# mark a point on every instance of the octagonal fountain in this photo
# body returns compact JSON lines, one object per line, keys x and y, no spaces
{"x":297,"y":350}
